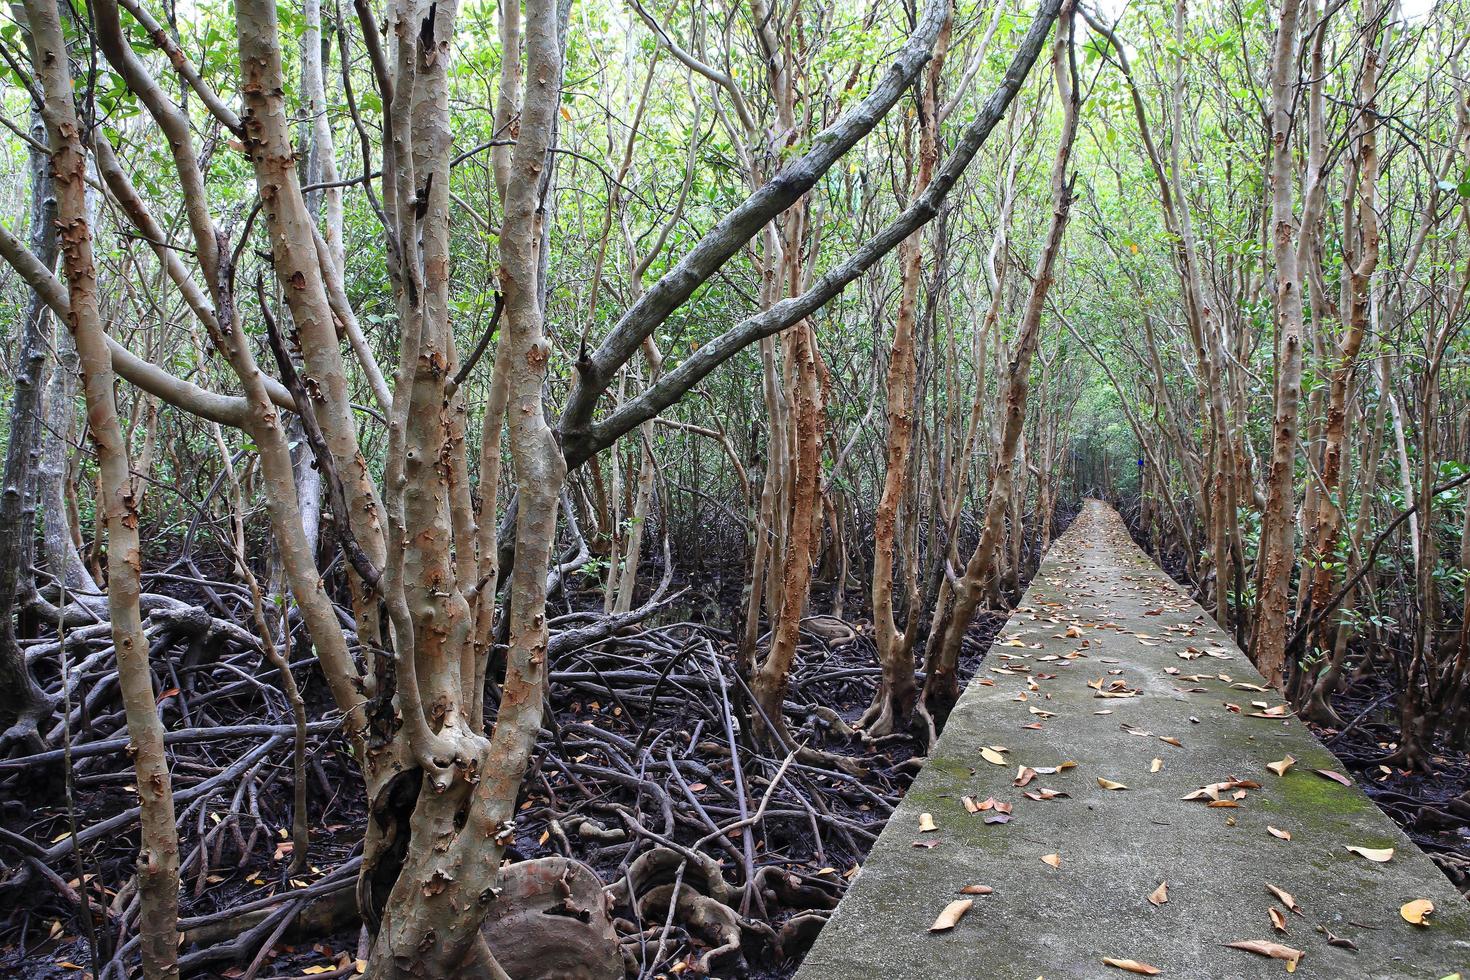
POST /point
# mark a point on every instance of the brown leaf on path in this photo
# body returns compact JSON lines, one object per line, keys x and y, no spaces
{"x":1109,"y":784}
{"x":1024,"y":775}
{"x":926,"y":823}
{"x":1417,"y":912}
{"x":1265,"y":947}
{"x":1160,"y":895}
{"x":952,"y":914}
{"x":993,"y":757}
{"x":976,"y":890}
{"x":1333,"y":940}
{"x":1055,"y":860}
{"x":1279,"y":768}
{"x":1156,"y":765}
{"x":1277,"y":919}
{"x":1276,"y":832}
{"x":1285,"y":897}
{"x":1336,"y":777}
{"x":1132,"y":966}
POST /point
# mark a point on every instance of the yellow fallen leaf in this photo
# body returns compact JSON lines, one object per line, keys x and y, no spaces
{"x":1378,"y":855}
{"x":926,"y":823}
{"x":312,"y":971}
{"x":1109,"y":784}
{"x":1279,"y":768}
{"x":1132,"y":966}
{"x":1156,"y":765}
{"x":952,"y":914}
{"x":1055,"y":860}
{"x":1417,"y":911}
{"x":993,"y":757}
{"x":1160,"y":894}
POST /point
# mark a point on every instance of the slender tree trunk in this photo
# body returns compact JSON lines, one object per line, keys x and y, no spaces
{"x":1278,"y":551}
{"x":893,"y":701}
{"x":158,"y":855}
{"x":25,"y":702}
{"x":941,"y":686}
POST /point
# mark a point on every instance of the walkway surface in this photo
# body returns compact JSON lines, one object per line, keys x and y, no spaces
{"x":1107,"y":675}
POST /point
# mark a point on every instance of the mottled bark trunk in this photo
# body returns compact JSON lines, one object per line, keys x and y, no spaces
{"x":1278,"y":551}
{"x":893,"y":701}
{"x":1360,"y":261}
{"x":941,"y":686}
{"x":158,"y":855}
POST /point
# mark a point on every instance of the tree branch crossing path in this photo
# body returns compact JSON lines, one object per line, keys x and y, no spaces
{"x":1118,"y":792}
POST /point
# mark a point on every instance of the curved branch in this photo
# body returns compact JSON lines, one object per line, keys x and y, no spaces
{"x":225,"y":409}
{"x":596,"y":371}
{"x":581,"y":441}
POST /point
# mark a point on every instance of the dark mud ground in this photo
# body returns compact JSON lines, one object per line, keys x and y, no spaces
{"x":38,"y":936}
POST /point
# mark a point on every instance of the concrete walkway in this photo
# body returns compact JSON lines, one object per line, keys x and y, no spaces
{"x":1108,"y":669}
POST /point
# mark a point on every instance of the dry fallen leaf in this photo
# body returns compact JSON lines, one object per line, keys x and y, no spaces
{"x":1109,"y":784}
{"x":1275,"y":832}
{"x":1378,"y":855}
{"x":976,"y":890}
{"x":1279,"y":768}
{"x":1132,"y":966}
{"x":1156,"y":765}
{"x":1277,"y":919}
{"x":1285,"y":898}
{"x":1417,"y":911}
{"x":1336,"y":777}
{"x":1265,"y":947}
{"x":1160,"y":894}
{"x":1340,"y":940}
{"x":1055,"y":860}
{"x":926,"y":823}
{"x":993,"y":757}
{"x":952,"y":914}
